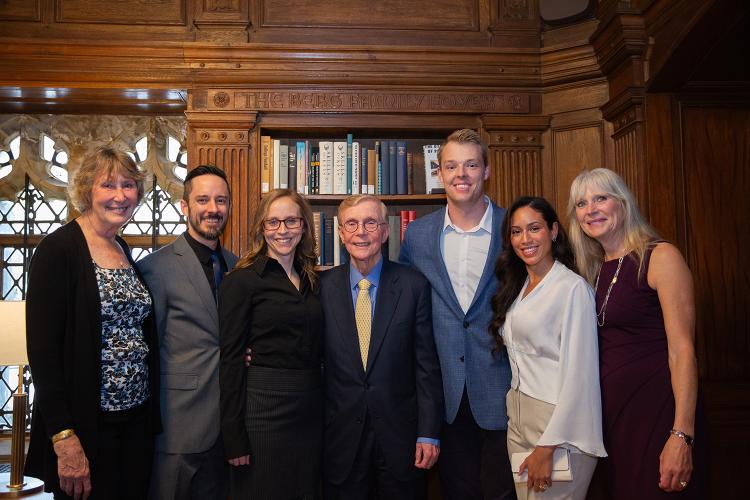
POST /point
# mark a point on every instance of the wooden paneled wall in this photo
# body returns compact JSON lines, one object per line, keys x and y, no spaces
{"x":469,"y":23}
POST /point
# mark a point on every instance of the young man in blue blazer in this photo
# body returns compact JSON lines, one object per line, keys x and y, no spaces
{"x":456,"y":248}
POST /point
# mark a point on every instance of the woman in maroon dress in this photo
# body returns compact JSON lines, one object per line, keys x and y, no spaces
{"x":646,"y":317}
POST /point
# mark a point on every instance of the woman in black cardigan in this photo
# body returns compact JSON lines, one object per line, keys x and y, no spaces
{"x":92,"y":346}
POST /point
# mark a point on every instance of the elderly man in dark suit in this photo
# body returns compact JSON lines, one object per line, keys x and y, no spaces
{"x":384,"y":400}
{"x":184,"y":278}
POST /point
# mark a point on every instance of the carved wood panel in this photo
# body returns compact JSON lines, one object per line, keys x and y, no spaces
{"x":574,"y":149}
{"x":630,"y":153}
{"x":20,"y":10}
{"x":716,"y":160}
{"x":121,"y":12}
{"x":462,"y":15}
{"x":515,"y":172}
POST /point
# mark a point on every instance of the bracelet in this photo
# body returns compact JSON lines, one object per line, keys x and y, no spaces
{"x":63,"y":434}
{"x":685,"y":437}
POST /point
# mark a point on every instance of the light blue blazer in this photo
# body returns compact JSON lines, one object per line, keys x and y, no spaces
{"x":463,"y":341}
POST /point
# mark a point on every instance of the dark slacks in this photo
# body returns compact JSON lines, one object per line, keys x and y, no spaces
{"x":370,"y":477}
{"x":185,"y":476}
{"x":474,"y":462}
{"x":121,"y":466}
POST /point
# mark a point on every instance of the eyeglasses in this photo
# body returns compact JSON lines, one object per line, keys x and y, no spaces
{"x":370,"y":225}
{"x":289,"y":223}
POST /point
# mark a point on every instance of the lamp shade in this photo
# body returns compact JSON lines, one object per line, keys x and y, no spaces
{"x":13,"y":333}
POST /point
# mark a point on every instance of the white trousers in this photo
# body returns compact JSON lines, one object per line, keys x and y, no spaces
{"x":528,"y":420}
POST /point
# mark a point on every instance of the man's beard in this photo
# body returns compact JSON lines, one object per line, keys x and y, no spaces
{"x":210,"y":235}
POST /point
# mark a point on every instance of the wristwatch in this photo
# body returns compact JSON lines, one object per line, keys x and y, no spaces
{"x":685,"y":437}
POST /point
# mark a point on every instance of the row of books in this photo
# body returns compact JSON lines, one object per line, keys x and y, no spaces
{"x":330,"y":250}
{"x":347,"y":167}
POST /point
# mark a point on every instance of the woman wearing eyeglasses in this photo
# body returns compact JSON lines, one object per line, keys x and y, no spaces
{"x":271,"y":411}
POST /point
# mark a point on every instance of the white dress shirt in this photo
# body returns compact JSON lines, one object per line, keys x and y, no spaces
{"x":465,"y":254}
{"x":552,"y":343}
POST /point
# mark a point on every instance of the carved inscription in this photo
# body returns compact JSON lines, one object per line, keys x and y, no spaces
{"x":446,"y":102}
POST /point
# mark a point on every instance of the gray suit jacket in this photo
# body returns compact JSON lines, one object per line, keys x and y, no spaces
{"x":187,"y":324}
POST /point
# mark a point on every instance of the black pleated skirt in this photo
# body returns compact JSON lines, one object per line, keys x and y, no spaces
{"x":284,"y":421}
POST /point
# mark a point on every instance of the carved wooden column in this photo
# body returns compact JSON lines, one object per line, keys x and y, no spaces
{"x":225,"y":138}
{"x":515,"y":144}
{"x":621,"y":45}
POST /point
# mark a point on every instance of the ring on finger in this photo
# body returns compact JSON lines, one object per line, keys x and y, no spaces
{"x":683,"y":484}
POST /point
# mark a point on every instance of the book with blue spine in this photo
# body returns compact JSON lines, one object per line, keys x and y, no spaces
{"x":402,"y":180}
{"x":356,"y":167}
{"x":392,"y":175}
{"x":301,"y":167}
{"x":385,"y":169}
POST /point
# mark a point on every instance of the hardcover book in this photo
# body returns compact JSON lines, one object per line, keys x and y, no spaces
{"x":401,"y":173}
{"x":392,"y":168}
{"x":292,"y":152}
{"x":372,"y":170}
{"x":318,"y":234}
{"x":325,"y":183}
{"x":356,"y":168}
{"x":433,"y":184}
{"x":266,"y":161}
{"x":283,"y":165}
{"x":339,"y":168}
{"x":349,"y":164}
{"x":276,"y":173}
{"x":385,"y":179}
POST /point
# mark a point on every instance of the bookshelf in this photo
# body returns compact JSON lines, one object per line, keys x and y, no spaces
{"x":414,"y":140}
{"x":226,"y":127}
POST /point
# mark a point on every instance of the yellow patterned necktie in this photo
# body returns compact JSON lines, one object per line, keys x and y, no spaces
{"x":363,"y":316}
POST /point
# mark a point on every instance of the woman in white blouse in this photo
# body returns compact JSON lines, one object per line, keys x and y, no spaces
{"x":544,"y":316}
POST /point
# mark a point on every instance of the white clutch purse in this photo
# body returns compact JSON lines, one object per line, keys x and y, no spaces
{"x":561,"y":470}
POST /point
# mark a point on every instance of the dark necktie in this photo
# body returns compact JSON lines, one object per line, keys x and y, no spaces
{"x":218,"y":274}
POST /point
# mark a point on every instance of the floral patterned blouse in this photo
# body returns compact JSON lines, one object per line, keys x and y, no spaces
{"x":124,"y":367}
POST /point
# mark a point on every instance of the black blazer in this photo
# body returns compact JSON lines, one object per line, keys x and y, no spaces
{"x":63,"y":330}
{"x":401,"y":392}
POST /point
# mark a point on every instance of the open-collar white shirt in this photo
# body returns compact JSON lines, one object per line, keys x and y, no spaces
{"x":465,"y":253}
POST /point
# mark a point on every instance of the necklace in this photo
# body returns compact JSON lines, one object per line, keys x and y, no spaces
{"x":115,"y":247}
{"x":603,"y":311}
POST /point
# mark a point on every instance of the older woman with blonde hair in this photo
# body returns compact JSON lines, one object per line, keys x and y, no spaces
{"x":271,"y":411}
{"x":91,"y":342}
{"x":646,"y":322}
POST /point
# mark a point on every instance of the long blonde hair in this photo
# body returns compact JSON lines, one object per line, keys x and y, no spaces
{"x":637,"y":233}
{"x":304,"y":254}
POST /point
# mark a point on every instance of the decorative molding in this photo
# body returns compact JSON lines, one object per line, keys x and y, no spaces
{"x":131,"y":12}
{"x":20,"y":10}
{"x":364,"y":101}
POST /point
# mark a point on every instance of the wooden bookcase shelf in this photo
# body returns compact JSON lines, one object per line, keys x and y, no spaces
{"x":388,"y":199}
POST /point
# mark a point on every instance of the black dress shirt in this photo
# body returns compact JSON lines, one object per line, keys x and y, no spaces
{"x":204,"y":257}
{"x":260,"y":308}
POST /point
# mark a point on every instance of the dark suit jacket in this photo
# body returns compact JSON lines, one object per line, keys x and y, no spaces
{"x":401,"y":392}
{"x":64,"y":329}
